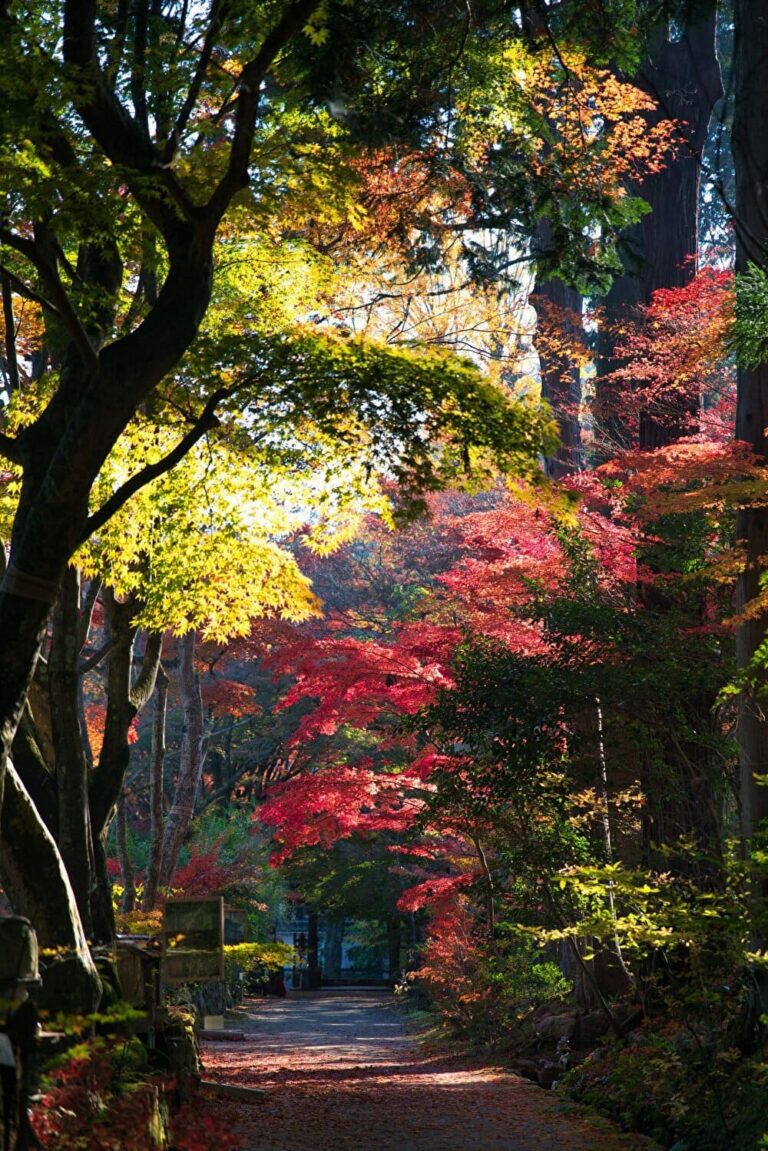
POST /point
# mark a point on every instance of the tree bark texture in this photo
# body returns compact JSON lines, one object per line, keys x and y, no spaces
{"x":683,"y":76}
{"x":156,"y":815}
{"x":32,"y":867}
{"x":74,"y":838}
{"x":191,"y":758}
{"x":750,"y":155}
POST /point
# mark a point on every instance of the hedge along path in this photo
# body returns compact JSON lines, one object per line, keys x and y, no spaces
{"x":340,"y":1074}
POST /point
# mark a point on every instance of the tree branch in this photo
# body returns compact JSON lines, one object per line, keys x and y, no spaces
{"x":28,"y":293}
{"x":144,"y":684}
{"x":95,"y":659}
{"x":62,"y":303}
{"x":9,"y":323}
{"x":118,"y":134}
{"x":292,"y":21}
{"x":215,"y":21}
{"x":205,"y":421}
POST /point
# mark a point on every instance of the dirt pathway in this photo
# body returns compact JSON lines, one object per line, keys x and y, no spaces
{"x":341,"y":1075}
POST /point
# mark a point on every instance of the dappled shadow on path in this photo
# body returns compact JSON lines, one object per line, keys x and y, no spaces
{"x":341,"y":1075}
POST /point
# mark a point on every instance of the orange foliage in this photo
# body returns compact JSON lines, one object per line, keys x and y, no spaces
{"x":601,"y":131}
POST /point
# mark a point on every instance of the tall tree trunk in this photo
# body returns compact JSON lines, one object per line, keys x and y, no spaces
{"x":127,"y":872}
{"x":683,"y":76}
{"x":750,"y":155}
{"x":191,"y":758}
{"x":558,"y":308}
{"x":39,"y":887}
{"x":126,"y":696}
{"x":74,"y":824}
{"x":156,"y":816}
{"x":313,"y":966}
{"x":332,"y":949}
{"x":394,"y":947}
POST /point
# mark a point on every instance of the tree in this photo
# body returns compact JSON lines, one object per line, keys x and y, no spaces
{"x":155,"y":118}
{"x":682,"y":74}
{"x":750,"y":155}
{"x":126,"y":165}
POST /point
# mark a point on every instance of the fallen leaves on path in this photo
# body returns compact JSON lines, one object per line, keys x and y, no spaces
{"x":341,"y":1075}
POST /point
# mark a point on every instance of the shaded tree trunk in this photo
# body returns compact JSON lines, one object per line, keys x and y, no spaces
{"x":750,"y":154}
{"x":683,"y":76}
{"x":560,"y":376}
{"x":74,"y":837}
{"x":126,"y":697}
{"x":38,"y":883}
{"x":313,"y":949}
{"x":191,"y":759}
{"x":156,"y":815}
{"x":332,"y":949}
{"x":128,"y":898}
{"x":394,"y":947}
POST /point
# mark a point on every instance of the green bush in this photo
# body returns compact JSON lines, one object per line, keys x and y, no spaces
{"x":255,"y":962}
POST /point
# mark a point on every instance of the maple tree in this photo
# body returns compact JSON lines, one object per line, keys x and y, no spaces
{"x":301,"y":313}
{"x":154,"y":136}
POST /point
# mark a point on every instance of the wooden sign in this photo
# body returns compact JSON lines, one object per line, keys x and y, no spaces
{"x":193,"y":940}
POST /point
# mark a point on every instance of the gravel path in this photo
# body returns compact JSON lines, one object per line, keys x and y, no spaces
{"x":341,"y":1075}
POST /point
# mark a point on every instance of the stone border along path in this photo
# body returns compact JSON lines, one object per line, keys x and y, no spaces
{"x":340,"y":1074}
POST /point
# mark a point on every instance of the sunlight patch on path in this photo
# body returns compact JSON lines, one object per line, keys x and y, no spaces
{"x":342,"y":1075}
